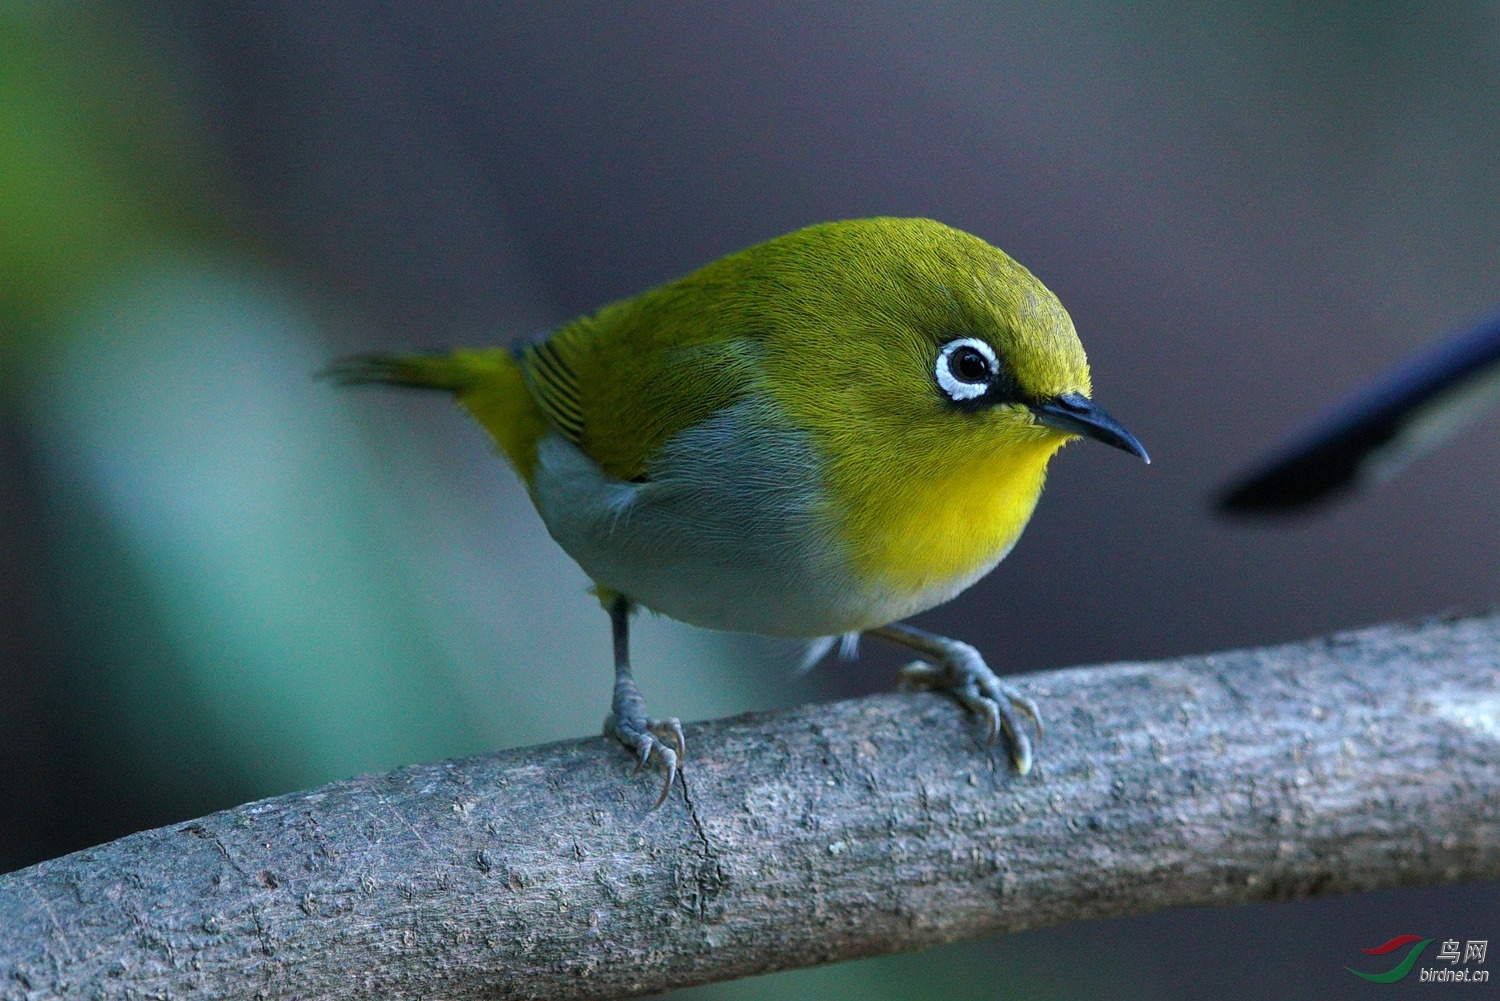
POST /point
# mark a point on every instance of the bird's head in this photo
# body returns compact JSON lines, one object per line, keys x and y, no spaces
{"x":905,"y":334}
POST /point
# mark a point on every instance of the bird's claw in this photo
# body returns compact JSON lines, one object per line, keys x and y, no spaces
{"x":645,"y":738}
{"x":972,"y":682}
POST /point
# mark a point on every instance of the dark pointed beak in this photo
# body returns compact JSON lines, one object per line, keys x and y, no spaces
{"x":1076,"y":414}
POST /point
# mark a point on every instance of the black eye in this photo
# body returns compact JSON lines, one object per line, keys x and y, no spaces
{"x":965,"y":368}
{"x":969,"y":365}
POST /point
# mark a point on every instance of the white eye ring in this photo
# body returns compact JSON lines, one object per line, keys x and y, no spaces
{"x":959,"y":389}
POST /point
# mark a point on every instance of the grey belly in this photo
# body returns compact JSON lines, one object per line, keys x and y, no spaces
{"x":729,"y":531}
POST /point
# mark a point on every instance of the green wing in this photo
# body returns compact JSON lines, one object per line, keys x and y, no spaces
{"x":619,"y":383}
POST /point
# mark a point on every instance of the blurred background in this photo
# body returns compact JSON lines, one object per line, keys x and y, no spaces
{"x":221,"y":580}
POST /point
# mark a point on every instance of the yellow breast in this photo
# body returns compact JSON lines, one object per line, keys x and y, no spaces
{"x":935,"y":514}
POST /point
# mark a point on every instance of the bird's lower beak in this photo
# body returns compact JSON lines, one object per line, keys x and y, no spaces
{"x":1076,"y":414}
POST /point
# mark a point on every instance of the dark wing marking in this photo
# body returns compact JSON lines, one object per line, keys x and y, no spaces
{"x":555,"y":385}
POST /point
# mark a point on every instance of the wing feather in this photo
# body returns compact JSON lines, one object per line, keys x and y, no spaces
{"x":620,"y":383}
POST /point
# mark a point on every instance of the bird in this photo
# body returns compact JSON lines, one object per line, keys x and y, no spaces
{"x":815,"y":437}
{"x":1378,"y":429}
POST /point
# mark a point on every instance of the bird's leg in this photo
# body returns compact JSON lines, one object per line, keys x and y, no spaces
{"x":958,"y":668}
{"x":627,"y":721}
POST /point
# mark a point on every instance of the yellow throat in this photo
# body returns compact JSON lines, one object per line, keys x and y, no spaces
{"x":936,"y":513}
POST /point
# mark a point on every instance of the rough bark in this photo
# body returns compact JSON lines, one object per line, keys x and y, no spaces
{"x":1364,"y":760}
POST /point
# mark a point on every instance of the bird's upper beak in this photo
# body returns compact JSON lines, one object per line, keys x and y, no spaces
{"x":1076,"y":414}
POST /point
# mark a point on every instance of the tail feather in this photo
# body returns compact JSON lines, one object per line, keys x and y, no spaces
{"x":488,"y":384}
{"x":452,"y":372}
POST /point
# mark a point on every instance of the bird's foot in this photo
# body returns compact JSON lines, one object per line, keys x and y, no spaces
{"x":961,"y":671}
{"x":652,"y":740}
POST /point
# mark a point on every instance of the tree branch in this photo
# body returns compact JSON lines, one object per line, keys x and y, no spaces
{"x":822,"y":833}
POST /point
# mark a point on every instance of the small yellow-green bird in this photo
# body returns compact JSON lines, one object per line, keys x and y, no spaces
{"x":818,"y":436}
